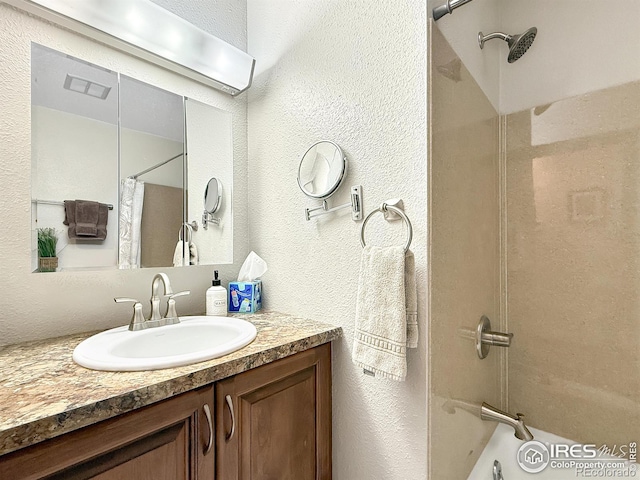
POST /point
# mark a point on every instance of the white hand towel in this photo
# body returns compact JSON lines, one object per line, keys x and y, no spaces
{"x":411,"y":295}
{"x":380,"y":340}
{"x":193,"y":254}
{"x":178,"y":259}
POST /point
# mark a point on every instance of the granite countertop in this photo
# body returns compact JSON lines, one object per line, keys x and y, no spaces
{"x":43,"y":393}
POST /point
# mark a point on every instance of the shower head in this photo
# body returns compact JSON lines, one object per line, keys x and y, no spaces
{"x":518,"y":44}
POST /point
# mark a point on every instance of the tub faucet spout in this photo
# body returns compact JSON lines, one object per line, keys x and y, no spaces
{"x":488,"y":412}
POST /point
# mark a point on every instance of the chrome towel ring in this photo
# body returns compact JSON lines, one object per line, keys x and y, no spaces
{"x":382,"y":209}
{"x":190,"y":228}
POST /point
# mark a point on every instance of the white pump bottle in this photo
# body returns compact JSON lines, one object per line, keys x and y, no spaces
{"x":216,"y":298}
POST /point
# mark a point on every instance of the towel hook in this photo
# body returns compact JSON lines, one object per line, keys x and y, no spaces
{"x":382,"y":209}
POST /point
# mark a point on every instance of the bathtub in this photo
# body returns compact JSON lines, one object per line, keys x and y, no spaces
{"x":503,"y":446}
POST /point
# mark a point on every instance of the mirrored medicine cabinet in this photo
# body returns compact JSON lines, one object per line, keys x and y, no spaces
{"x":148,"y":154}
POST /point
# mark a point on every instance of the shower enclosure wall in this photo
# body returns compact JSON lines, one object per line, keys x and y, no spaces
{"x":535,"y":222}
{"x":464,"y":261}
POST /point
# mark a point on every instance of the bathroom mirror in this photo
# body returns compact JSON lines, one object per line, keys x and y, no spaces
{"x":321,"y":170}
{"x":210,"y":150}
{"x":152,"y":152}
{"x":74,"y":152}
{"x":212,"y":196}
{"x":93,"y":129}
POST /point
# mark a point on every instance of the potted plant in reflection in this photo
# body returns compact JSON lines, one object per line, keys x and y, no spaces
{"x":47,"y":241}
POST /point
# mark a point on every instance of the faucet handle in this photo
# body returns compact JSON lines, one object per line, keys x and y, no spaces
{"x":171,"y":306}
{"x":179,"y":294}
{"x":137,"y":320}
{"x":125,"y":300}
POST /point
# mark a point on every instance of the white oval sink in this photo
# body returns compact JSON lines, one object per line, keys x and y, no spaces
{"x":194,"y":339}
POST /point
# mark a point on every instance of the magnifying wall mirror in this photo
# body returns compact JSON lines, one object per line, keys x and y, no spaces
{"x":212,"y":201}
{"x":322,"y":169}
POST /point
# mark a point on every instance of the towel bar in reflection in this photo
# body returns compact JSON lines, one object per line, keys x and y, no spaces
{"x":387,"y":208}
{"x":55,"y":202}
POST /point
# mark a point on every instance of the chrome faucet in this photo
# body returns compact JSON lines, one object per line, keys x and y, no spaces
{"x":155,"y":299}
{"x":487,"y":412}
{"x":138,"y":322}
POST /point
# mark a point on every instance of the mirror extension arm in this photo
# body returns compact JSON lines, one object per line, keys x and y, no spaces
{"x":355,"y":204}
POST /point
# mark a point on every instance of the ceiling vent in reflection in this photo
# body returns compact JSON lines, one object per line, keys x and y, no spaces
{"x":88,"y":87}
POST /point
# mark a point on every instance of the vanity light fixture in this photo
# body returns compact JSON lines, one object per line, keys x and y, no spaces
{"x":88,"y":87}
{"x":148,"y":31}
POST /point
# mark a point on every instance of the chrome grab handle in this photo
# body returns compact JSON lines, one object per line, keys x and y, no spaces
{"x":233,"y":417}
{"x":207,"y":413}
{"x":485,"y":338}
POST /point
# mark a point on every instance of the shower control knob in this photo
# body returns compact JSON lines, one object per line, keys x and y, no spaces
{"x":485,"y":338}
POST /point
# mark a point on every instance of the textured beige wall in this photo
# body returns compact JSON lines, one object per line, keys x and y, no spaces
{"x":573,"y":191}
{"x":465,"y":262}
{"x":354,"y":73}
{"x":39,"y":305}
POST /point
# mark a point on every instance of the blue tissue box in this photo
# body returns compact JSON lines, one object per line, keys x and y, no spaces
{"x":245,"y":297}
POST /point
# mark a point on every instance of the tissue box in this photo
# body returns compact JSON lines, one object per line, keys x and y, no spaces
{"x":245,"y":297}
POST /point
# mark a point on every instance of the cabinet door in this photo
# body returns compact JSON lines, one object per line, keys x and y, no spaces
{"x":274,"y":422}
{"x":170,"y":440}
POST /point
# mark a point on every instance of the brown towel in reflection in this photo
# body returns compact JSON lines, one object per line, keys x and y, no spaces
{"x":86,"y":220}
{"x":103,"y":217}
{"x":69,"y":212}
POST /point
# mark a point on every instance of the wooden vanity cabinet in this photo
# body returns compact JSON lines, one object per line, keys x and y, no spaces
{"x":169,"y":440}
{"x":280,"y":429}
{"x":274,"y":422}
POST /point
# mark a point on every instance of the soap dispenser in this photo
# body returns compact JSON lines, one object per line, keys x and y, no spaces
{"x":216,"y":298}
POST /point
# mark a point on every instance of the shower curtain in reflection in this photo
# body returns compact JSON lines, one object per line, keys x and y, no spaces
{"x":131,"y":201}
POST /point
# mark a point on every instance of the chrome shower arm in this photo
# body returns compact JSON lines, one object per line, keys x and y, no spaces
{"x":448,"y":7}
{"x":483,"y":38}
